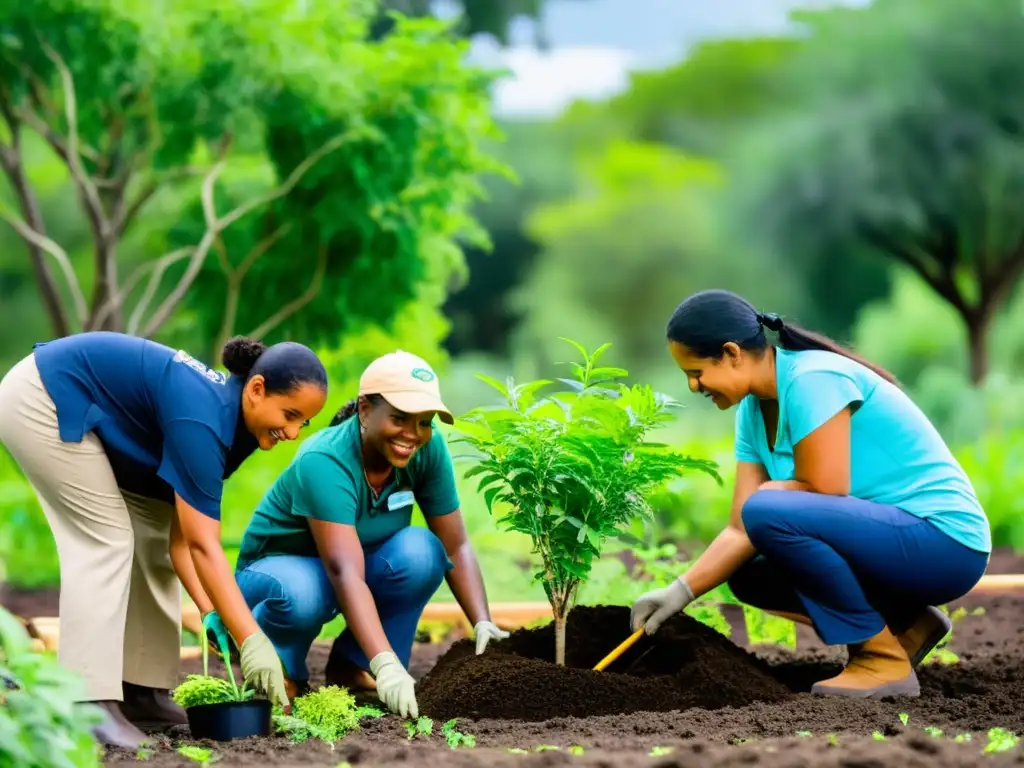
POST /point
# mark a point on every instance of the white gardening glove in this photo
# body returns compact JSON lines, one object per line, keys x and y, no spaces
{"x":652,"y":608}
{"x":484,"y":632}
{"x":395,"y":686}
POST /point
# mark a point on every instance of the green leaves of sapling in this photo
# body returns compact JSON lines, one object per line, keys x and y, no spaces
{"x":569,"y":468}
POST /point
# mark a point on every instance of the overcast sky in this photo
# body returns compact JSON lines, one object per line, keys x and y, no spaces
{"x":594,"y":43}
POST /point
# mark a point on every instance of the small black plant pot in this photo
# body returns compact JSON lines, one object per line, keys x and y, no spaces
{"x":230,"y":720}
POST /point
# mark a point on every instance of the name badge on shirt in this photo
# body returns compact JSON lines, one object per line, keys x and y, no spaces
{"x":399,"y":499}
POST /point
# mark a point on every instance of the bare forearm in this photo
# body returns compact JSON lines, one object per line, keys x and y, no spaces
{"x":360,"y":612}
{"x":181,"y":559}
{"x":785,"y":485}
{"x":467,"y":584}
{"x":723,"y":557}
{"x":217,"y":578}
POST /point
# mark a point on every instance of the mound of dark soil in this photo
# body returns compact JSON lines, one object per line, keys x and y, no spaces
{"x":685,"y":664}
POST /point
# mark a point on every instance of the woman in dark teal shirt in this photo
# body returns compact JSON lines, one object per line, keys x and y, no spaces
{"x":334,"y":532}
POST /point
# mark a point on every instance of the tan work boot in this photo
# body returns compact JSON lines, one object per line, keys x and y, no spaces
{"x":877,"y":667}
{"x":927,"y":631}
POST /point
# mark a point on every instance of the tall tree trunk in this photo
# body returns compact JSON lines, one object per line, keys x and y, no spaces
{"x":977,"y":340}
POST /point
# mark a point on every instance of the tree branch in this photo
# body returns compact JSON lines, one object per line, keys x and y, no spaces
{"x":105,"y":262}
{"x":49,"y":246}
{"x":157,"y":267}
{"x":10,"y":159}
{"x":261,"y":248}
{"x":163,"y":312}
{"x":126,"y":214}
{"x":216,"y":225}
{"x":236,"y":276}
{"x":942,"y":284}
{"x":295,"y":305}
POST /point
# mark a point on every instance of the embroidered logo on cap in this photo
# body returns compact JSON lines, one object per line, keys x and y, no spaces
{"x":423,"y":374}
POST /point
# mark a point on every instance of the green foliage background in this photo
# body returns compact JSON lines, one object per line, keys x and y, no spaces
{"x":753,"y":163}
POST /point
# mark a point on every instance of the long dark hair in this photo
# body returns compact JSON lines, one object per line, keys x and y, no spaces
{"x":284,"y":366}
{"x":707,"y":320}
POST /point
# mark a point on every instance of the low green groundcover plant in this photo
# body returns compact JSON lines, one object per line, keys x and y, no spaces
{"x":41,"y":726}
{"x":573,"y":466}
{"x":328,"y":713}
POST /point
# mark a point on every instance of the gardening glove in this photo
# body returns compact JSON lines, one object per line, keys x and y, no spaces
{"x":218,"y":635}
{"x":395,"y":686}
{"x":484,"y":632}
{"x":652,"y":608}
{"x":262,"y":668}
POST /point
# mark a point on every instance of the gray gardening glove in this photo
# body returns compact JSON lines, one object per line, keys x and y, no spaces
{"x":652,"y":608}
{"x":395,"y":686}
{"x":262,"y":668}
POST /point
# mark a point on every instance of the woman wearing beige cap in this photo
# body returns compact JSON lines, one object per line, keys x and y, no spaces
{"x":334,"y":532}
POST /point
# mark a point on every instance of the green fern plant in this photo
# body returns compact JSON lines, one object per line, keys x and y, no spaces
{"x":41,"y":725}
{"x":572,"y":467}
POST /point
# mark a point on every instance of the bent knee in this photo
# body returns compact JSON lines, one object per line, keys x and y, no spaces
{"x":761,"y":512}
{"x":301,"y":597}
{"x":417,"y":556}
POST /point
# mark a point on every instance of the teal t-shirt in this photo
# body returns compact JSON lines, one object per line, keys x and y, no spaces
{"x":325,"y":481}
{"x":897,"y":457}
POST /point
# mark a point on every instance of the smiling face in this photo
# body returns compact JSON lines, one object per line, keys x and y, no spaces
{"x":392,"y":434}
{"x":273,"y":417}
{"x":725,"y":380}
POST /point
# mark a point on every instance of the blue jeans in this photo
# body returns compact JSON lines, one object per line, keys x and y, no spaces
{"x":852,"y":566}
{"x":291,"y":597}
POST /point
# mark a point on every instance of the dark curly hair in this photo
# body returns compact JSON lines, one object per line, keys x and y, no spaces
{"x":284,"y":366}
{"x":349,"y":409}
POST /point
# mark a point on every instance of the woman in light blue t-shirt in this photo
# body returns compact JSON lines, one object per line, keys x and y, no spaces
{"x":849,"y":512}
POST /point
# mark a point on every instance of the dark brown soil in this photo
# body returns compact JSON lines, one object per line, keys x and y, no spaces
{"x":984,"y":690}
{"x":686,"y":664}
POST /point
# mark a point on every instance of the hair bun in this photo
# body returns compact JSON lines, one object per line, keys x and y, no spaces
{"x":240,"y":355}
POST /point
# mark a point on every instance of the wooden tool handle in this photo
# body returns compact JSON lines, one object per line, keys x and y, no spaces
{"x":624,"y":646}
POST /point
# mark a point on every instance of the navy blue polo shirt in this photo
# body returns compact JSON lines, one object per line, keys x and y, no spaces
{"x":168,"y":423}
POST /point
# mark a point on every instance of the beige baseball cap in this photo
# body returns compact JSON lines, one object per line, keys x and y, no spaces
{"x":407,"y":382}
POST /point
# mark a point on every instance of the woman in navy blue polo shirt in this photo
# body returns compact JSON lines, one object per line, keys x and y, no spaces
{"x":127,"y":444}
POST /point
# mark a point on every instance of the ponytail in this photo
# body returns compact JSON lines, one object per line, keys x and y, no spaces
{"x":796,"y":339}
{"x":344,"y":413}
{"x":348,"y":410}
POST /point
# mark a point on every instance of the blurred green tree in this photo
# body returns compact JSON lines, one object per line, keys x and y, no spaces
{"x":695,"y":105}
{"x":476,"y":17}
{"x":634,"y":240}
{"x":701,"y":106}
{"x":298,"y":179}
{"x":903,"y":137}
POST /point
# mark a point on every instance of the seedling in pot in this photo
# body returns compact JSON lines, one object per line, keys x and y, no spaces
{"x":573,"y":467}
{"x":220,"y":709}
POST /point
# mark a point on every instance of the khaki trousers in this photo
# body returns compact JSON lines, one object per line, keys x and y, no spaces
{"x":120,"y":598}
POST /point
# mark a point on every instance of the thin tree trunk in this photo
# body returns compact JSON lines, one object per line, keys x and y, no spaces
{"x":560,"y":640}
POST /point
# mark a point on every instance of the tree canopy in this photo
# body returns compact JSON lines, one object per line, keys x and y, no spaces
{"x":270,"y":153}
{"x":903,"y":138}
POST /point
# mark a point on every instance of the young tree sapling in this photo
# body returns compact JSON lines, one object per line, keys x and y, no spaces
{"x":572,"y":466}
